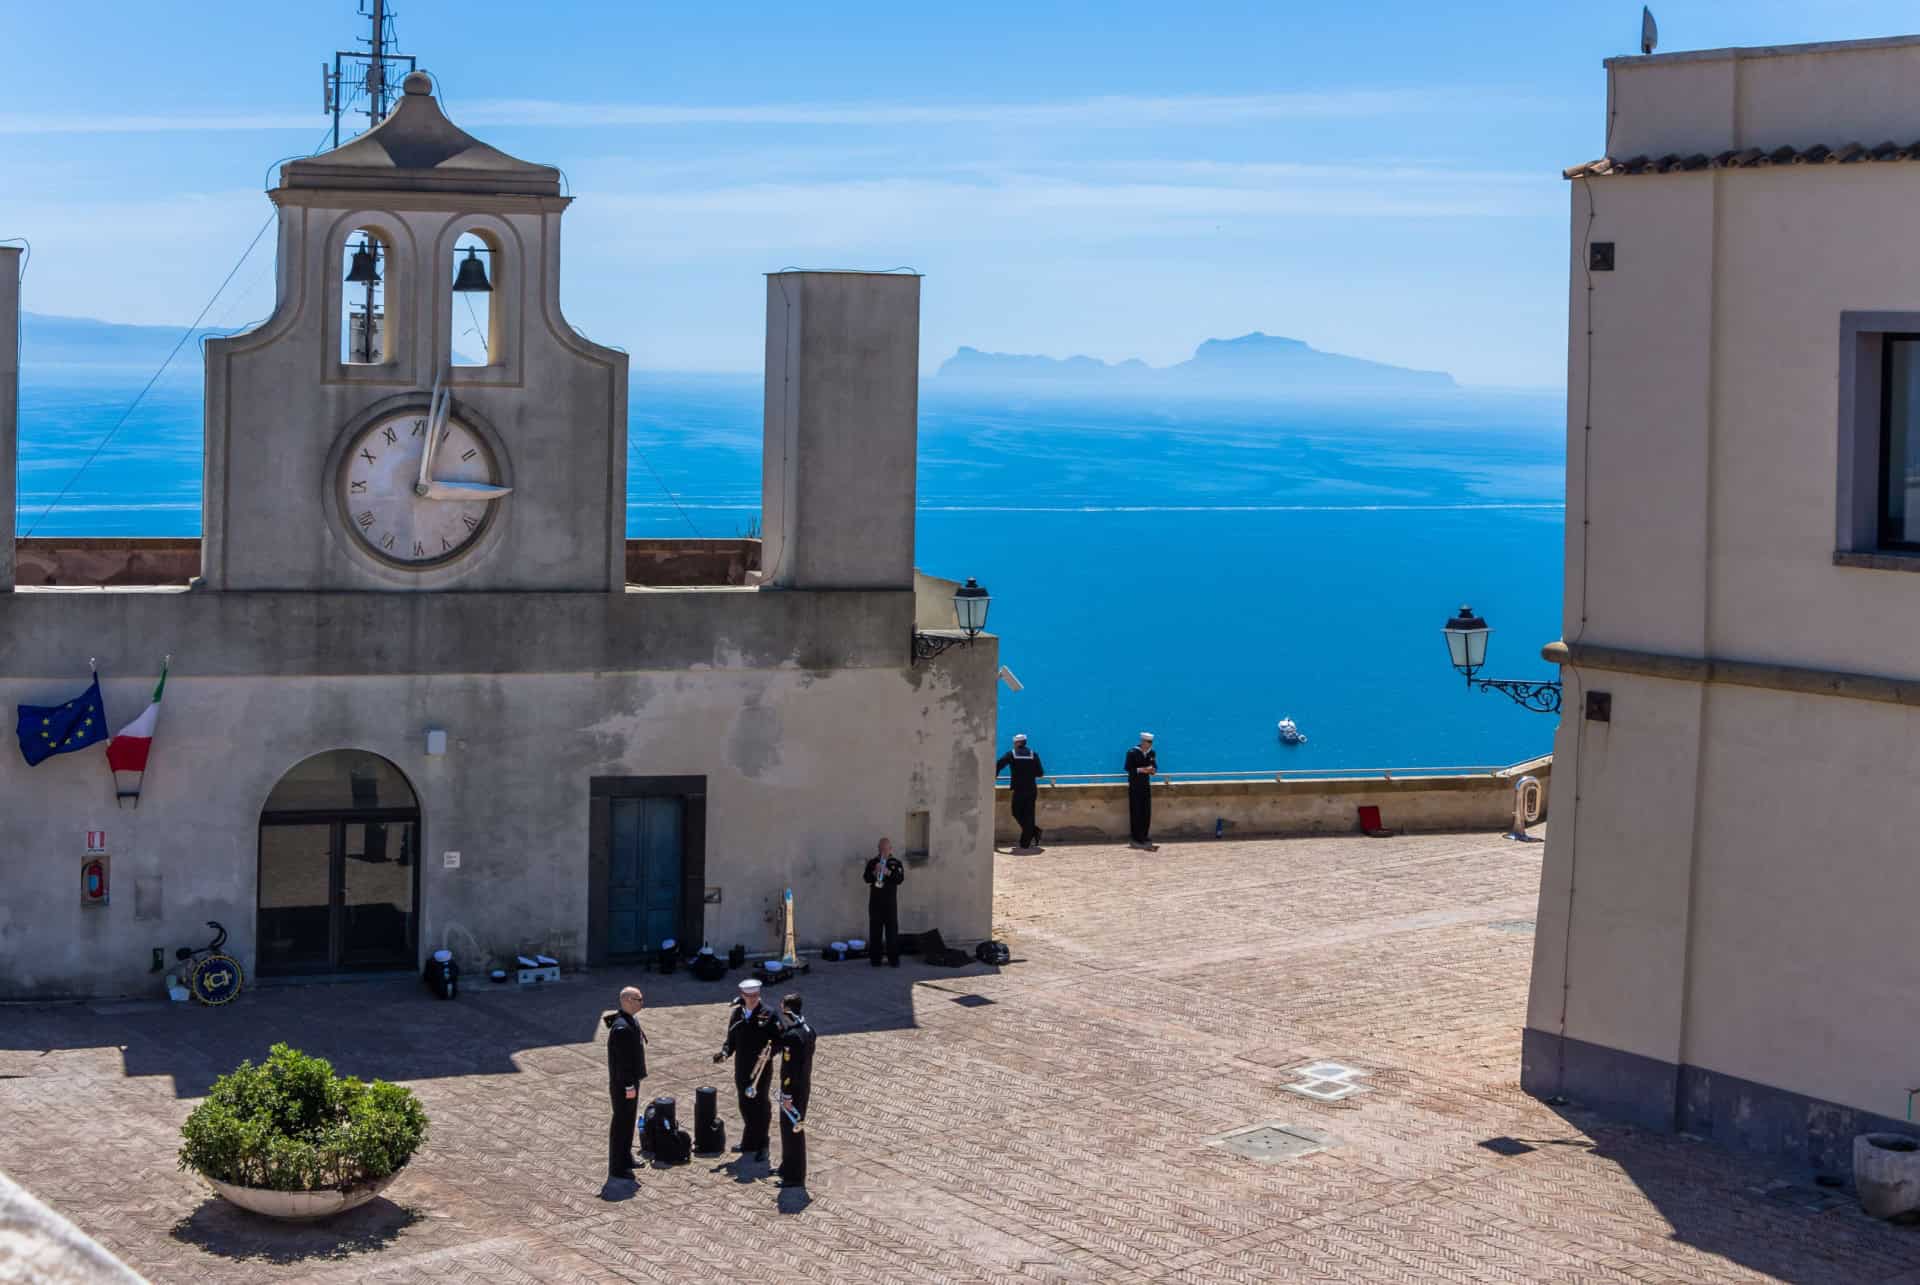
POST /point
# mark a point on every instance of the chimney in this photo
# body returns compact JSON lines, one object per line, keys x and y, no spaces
{"x":841,"y":430}
{"x":9,"y":406}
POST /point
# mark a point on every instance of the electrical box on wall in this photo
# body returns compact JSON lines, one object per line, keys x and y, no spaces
{"x":1600,"y":256}
{"x":93,"y":879}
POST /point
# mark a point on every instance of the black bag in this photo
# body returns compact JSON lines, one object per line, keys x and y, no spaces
{"x":934,"y":949}
{"x":676,"y":1148}
{"x":992,"y":952}
{"x":708,"y":968}
{"x":709,"y":1133}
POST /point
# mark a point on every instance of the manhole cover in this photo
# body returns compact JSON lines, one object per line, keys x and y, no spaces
{"x":971,"y":1001}
{"x":1273,"y":1143}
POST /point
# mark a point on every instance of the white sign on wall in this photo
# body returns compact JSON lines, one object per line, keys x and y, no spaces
{"x":451,"y":860}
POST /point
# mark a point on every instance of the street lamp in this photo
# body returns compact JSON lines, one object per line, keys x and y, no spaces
{"x":970,"y":603}
{"x":1466,"y":636}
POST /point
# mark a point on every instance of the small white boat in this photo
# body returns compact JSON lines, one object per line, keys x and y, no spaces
{"x":1290,"y":733}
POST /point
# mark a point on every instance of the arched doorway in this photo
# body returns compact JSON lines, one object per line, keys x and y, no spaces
{"x":339,"y":867}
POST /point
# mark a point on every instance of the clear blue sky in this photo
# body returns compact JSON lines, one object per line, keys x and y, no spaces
{"x":1120,"y":179}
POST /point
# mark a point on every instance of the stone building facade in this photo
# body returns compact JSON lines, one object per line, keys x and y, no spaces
{"x":1725,"y":942}
{"x":414,"y":699}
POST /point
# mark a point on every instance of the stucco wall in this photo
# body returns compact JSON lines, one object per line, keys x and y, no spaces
{"x":800,"y":709}
{"x":1725,"y":881}
{"x":798,"y":789}
{"x":1189,"y":809}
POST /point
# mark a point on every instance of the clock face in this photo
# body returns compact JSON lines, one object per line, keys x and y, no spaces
{"x":380,"y":490}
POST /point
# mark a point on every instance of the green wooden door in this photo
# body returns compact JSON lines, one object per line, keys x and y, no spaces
{"x":643,"y":873}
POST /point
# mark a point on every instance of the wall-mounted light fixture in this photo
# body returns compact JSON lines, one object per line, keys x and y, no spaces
{"x":1466,"y":636}
{"x":970,"y":603}
{"x":436,"y":741}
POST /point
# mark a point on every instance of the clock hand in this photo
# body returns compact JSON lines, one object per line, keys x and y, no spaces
{"x":437,"y":490}
{"x":433,"y":428}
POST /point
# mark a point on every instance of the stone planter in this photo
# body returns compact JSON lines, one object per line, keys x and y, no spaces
{"x":1886,"y":1172}
{"x":301,"y":1206}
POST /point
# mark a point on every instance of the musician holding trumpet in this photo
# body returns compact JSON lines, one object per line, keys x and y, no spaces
{"x":796,"y":1087}
{"x":752,"y":1037}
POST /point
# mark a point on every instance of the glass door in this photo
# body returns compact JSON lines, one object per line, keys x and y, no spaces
{"x":296,"y":897}
{"x":376,"y":870}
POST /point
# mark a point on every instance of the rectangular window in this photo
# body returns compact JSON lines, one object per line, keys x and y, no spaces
{"x":1900,"y":442}
{"x":918,"y":843}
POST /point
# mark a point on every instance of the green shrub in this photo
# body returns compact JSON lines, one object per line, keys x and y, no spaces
{"x":290,"y":1124}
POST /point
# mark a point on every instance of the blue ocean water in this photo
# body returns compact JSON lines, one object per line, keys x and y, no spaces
{"x":1198,"y":569}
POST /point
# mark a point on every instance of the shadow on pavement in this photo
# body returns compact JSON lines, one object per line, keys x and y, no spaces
{"x":220,"y":1228}
{"x":391,"y":1028}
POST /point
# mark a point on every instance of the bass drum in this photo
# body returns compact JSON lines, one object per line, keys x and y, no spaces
{"x":216,"y":979}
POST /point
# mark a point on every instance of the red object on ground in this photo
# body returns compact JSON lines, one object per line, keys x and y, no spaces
{"x":1370,"y":819}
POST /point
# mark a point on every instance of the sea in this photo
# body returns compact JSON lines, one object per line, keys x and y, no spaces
{"x":1195,"y":567}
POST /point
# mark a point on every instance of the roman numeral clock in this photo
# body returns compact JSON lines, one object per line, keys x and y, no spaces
{"x":416,"y":416}
{"x":418,"y":487}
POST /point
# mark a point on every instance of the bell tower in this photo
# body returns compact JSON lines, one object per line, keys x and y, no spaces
{"x":416,"y":414}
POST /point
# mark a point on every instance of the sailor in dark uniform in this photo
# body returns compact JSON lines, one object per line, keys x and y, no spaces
{"x":885,"y":874}
{"x":1024,"y":770}
{"x":796,"y":1089}
{"x":626,"y":1067}
{"x":751,"y":1031}
{"x":1141,"y":767}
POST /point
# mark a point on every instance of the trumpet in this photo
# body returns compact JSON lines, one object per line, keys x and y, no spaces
{"x":753,"y":1080}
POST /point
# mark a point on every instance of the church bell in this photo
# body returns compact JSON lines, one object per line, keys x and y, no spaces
{"x":363,"y":272}
{"x":473,"y":274}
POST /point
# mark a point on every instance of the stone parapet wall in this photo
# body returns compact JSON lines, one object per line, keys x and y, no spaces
{"x":1190,"y":809}
{"x":121,"y":561}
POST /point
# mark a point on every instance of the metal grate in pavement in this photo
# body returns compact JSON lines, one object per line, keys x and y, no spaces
{"x":1274,"y":1143}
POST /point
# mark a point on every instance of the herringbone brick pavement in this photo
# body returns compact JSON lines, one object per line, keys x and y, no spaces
{"x":1051,"y":1128}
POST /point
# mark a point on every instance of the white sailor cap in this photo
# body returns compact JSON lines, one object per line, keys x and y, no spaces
{"x":1019,"y":738}
{"x":750,"y":986}
{"x":1146,"y":736}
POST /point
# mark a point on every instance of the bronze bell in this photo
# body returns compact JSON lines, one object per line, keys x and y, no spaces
{"x":473,"y":274}
{"x":363,"y":271}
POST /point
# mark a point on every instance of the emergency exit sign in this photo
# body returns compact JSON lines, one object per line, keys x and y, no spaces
{"x":96,"y":841}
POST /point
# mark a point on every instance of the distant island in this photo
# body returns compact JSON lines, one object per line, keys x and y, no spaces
{"x":1251,"y":363}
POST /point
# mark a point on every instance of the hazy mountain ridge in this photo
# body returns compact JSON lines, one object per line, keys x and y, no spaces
{"x":47,"y":339}
{"x":1253,"y":361}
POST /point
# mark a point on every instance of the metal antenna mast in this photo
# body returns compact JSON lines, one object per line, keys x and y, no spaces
{"x":376,"y":71}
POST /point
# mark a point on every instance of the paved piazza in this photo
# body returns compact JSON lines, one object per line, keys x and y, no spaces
{"x":1049,"y":1121}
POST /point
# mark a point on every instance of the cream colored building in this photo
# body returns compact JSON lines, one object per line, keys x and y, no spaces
{"x":416,"y":698}
{"x":1727,"y":941}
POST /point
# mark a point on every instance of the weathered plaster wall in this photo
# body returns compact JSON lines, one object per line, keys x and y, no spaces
{"x":798,"y":788}
{"x":1188,"y":809}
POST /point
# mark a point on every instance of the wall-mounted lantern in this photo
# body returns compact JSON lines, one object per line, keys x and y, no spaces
{"x":970,"y":603}
{"x":1466,"y":636}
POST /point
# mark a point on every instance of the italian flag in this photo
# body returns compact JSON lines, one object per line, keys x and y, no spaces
{"x":127,"y":751}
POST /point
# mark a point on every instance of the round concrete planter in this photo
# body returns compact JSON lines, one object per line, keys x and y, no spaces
{"x":301,"y":1206}
{"x":1886,"y":1172}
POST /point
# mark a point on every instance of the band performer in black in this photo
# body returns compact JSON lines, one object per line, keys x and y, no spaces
{"x":626,"y":1067}
{"x":885,"y":874}
{"x":796,"y":1089}
{"x":1142,"y":764}
{"x":1024,"y":770}
{"x":752,"y":1030}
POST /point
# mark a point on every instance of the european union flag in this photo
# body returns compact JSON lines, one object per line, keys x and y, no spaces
{"x":47,"y":730}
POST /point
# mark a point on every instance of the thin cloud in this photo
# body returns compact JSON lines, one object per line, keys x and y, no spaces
{"x":1103,"y":112}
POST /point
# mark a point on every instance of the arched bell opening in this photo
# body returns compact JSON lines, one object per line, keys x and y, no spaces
{"x":476,"y":271}
{"x":339,"y":876}
{"x":366,"y":271}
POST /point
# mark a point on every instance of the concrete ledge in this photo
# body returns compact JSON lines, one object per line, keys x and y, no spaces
{"x":1738,"y":673}
{"x":117,"y":561}
{"x":1741,"y":1115}
{"x":1189,"y":809}
{"x":42,"y":631}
